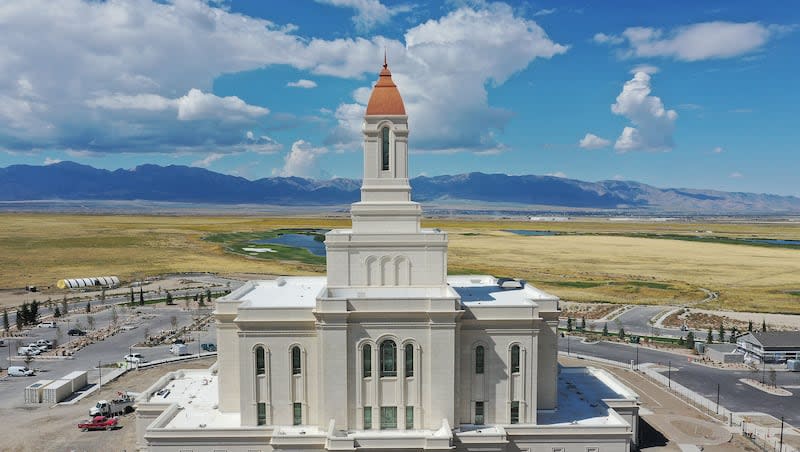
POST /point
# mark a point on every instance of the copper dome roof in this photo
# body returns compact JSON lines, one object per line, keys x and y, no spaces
{"x":385,"y":98}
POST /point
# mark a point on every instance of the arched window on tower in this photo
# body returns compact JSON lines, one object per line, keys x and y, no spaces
{"x":366,"y":355}
{"x":388,"y":359}
{"x":296,"y":365}
{"x":479,"y":352}
{"x":385,"y":148}
{"x":260,"y":361}
{"x":409,"y":352}
{"x":515,"y":359}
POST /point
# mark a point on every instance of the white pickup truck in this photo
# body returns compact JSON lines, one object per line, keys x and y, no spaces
{"x":123,"y":404}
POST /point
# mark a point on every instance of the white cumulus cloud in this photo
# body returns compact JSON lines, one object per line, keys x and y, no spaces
{"x":736,"y":175}
{"x":592,"y":141}
{"x":50,"y":161}
{"x":443,"y":72}
{"x":302,"y":83}
{"x":302,"y":160}
{"x":369,"y":13}
{"x":700,"y":41}
{"x":653,"y":125}
{"x":208,"y":160}
{"x":557,"y":174}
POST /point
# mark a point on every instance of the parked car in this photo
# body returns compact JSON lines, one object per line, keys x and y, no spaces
{"x":76,"y":332}
{"x":135,"y":358}
{"x":99,"y":423}
{"x":44,"y":343}
{"x":19,"y":371}
{"x":33,"y":351}
{"x":209,"y":347}
{"x":48,"y":324}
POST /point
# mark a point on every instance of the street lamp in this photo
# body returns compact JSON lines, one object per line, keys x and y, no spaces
{"x":568,"y":337}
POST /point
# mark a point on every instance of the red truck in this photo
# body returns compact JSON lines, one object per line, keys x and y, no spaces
{"x":99,"y":423}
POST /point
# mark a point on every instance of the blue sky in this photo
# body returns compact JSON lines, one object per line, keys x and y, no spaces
{"x":674,"y":94}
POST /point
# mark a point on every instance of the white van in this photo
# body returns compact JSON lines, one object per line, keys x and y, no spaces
{"x":19,"y":371}
{"x":48,"y":324}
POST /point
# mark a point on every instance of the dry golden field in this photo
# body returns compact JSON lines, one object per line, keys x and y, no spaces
{"x":39,"y":249}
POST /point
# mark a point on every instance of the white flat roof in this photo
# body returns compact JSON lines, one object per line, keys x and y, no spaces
{"x":283,"y":292}
{"x":581,"y":391}
{"x":484,"y":290}
{"x":197,"y":393}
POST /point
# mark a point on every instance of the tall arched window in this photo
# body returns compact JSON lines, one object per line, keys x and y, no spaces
{"x":296,"y":364}
{"x":366,"y":356}
{"x":385,"y":148}
{"x":260,"y":361}
{"x":515,"y":359}
{"x":409,"y":352}
{"x":479,"y":352}
{"x":388,"y":359}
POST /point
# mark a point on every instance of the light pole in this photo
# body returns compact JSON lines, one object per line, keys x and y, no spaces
{"x":637,"y":356}
{"x":717,"y":398}
{"x":568,"y":337}
{"x":669,"y":374}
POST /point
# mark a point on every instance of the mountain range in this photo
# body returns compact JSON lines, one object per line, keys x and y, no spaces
{"x":72,"y":181}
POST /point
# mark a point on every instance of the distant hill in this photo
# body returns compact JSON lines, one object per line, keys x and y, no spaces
{"x":72,"y":181}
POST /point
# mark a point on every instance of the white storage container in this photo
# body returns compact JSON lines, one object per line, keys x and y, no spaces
{"x":57,"y":391}
{"x":33,"y":393}
{"x":79,"y":379}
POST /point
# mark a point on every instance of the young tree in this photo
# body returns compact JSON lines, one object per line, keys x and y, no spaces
{"x":169,"y":298}
{"x":208,"y":299}
{"x":721,"y":332}
{"x":621,"y":334}
{"x":605,"y":329}
{"x":23,"y":315}
{"x":764,"y":326}
{"x":174,"y":322}
{"x":710,"y":337}
{"x":773,"y":377}
{"x":734,"y":332}
{"x":132,"y":299}
{"x":65,"y":305}
{"x":750,"y":326}
{"x":103,"y":295}
{"x":681,"y":341}
{"x":201,"y":302}
{"x":569,"y":323}
{"x":20,"y":322}
{"x":57,"y":312}
{"x":114,"y":316}
{"x":34,"y":312}
{"x":690,"y":340}
{"x":88,"y":306}
{"x":141,"y":296}
{"x":6,"y":326}
{"x":90,"y":321}
{"x":583,"y":319}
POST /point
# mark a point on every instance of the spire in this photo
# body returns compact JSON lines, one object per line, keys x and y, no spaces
{"x":385,"y":98}
{"x":385,"y":64}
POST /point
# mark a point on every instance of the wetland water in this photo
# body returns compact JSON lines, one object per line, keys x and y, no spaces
{"x":529,"y":232}
{"x":306,"y":241}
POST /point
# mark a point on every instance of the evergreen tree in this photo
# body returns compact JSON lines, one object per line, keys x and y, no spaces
{"x":621,"y":334}
{"x":6,"y":325}
{"x":583,"y":319}
{"x":710,"y":337}
{"x":208,"y":299}
{"x":23,"y":315}
{"x":764,"y":326}
{"x":605,"y":329}
{"x":169,"y":298}
{"x":734,"y":332}
{"x":57,"y":312}
{"x":132,"y":299}
{"x":690,"y":340}
{"x":569,"y":323}
{"x":721,"y":332}
{"x":33,"y":312}
{"x":65,"y":305}
{"x":681,"y":342}
{"x":88,"y":306}
{"x":750,"y":326}
{"x":141,"y":296}
{"x":103,"y":295}
{"x":201,"y":302}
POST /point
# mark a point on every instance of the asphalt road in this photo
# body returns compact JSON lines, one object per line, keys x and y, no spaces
{"x":734,"y":395}
{"x":636,"y":320}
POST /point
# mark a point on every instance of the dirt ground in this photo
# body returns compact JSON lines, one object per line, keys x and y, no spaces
{"x":40,"y":428}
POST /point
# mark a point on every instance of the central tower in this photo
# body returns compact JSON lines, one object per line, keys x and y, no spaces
{"x":386,"y":246}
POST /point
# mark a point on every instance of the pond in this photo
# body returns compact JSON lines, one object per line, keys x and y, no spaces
{"x":777,"y":242}
{"x":528,"y":232}
{"x":307,"y":241}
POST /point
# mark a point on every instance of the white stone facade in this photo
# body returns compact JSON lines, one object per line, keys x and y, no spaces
{"x":385,"y":352}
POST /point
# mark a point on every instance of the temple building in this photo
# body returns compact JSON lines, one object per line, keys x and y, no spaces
{"x":387,"y":352}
